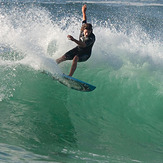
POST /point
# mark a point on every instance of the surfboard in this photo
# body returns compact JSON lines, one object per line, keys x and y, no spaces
{"x":76,"y":84}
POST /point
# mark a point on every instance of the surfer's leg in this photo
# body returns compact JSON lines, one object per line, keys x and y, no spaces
{"x":74,"y":65}
{"x":68,"y":55}
{"x":61,"y":59}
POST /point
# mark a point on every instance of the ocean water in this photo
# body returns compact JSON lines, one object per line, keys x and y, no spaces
{"x":42,"y":121}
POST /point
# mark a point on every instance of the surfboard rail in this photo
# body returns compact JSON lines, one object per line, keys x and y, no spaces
{"x":76,"y":84}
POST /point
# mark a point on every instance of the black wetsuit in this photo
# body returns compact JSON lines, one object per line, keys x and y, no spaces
{"x":82,"y":52}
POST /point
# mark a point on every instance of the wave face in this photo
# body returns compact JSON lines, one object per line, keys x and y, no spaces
{"x":44,"y":121}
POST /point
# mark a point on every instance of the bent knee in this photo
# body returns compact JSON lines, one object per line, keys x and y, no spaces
{"x":64,"y":57}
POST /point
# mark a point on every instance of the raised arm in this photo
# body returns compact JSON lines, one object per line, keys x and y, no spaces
{"x":84,"y":8}
{"x":80,"y":43}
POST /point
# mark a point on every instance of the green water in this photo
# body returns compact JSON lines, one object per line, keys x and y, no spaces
{"x":120,"y":120}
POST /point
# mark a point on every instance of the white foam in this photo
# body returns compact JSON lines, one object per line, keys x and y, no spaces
{"x":29,"y":36}
{"x":38,"y":41}
{"x":111,"y":45}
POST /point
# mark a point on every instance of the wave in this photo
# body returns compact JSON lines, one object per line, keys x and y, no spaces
{"x":124,"y":111}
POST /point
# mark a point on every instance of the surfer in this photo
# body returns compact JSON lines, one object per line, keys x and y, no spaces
{"x":83,"y":50}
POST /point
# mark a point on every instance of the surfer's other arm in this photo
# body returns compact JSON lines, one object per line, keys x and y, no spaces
{"x":78,"y":42}
{"x":84,"y":8}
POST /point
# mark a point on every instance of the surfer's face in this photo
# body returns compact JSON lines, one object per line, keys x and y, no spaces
{"x":87,"y":32}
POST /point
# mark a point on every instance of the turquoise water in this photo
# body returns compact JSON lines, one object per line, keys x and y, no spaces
{"x":44,"y":121}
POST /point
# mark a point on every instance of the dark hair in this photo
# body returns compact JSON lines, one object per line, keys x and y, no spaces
{"x":87,"y":26}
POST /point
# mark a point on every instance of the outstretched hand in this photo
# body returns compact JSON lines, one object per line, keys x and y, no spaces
{"x":70,"y":37}
{"x":80,"y":43}
{"x":84,"y":8}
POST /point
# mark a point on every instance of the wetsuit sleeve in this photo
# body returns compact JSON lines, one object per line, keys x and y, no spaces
{"x":83,"y":22}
